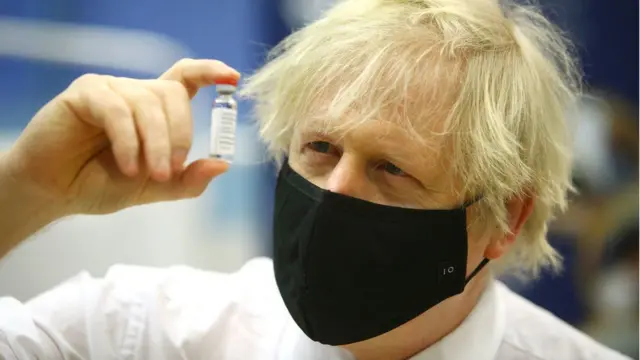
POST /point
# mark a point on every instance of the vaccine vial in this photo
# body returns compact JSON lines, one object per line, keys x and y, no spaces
{"x":223,"y":121}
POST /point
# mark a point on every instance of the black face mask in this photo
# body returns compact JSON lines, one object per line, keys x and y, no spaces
{"x":349,"y":270}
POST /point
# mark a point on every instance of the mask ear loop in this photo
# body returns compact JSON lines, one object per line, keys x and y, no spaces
{"x":475,"y":272}
{"x":485,"y":261}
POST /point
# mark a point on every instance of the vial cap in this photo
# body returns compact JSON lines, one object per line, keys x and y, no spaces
{"x":228,"y":81}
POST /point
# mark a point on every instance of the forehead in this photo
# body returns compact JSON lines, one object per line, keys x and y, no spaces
{"x":379,"y":105}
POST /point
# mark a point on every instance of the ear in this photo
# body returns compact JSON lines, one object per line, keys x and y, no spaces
{"x":519,"y":210}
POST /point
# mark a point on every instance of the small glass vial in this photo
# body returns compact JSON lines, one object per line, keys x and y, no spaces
{"x":223,"y":121}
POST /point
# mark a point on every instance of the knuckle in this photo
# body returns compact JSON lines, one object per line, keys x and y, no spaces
{"x":180,"y":128}
{"x":174,"y":90}
{"x":181,"y":141}
{"x":184,"y":62}
{"x":115,"y":110}
{"x":181,"y":135}
{"x":158,"y":146}
{"x":147,"y":100}
{"x":125,"y":146}
{"x":89,"y":78}
{"x":182,"y":132}
{"x":88,"y":81}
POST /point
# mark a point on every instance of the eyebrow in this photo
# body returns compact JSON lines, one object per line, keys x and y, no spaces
{"x":387,"y":147}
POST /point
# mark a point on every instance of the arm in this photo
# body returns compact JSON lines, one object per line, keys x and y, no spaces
{"x":138,"y":312}
{"x":23,"y":210}
{"x":105,"y":144}
{"x":84,"y":152}
{"x":83,"y":318}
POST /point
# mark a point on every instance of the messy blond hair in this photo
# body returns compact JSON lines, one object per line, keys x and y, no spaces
{"x":500,"y":75}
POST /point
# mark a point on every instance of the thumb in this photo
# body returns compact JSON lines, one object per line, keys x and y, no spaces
{"x":190,"y":183}
{"x":197,"y":176}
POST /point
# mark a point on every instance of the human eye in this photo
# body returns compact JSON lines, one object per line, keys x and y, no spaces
{"x":392,"y":169}
{"x":322,"y":148}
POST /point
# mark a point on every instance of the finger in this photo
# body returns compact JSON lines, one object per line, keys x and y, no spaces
{"x":192,"y":182}
{"x":194,"y":74}
{"x":179,"y":120}
{"x":151,"y":125}
{"x":109,"y":111}
{"x":199,"y":174}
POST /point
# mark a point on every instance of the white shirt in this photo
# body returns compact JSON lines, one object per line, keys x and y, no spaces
{"x":183,"y":313}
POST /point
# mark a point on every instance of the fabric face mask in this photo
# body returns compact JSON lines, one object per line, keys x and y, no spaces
{"x":349,"y":270}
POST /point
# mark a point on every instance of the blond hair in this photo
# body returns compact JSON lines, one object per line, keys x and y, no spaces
{"x":501,"y":76}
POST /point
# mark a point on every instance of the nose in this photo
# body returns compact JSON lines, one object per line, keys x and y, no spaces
{"x":349,"y":177}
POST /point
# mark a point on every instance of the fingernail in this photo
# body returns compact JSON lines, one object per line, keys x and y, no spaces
{"x":178,"y":157}
{"x":234,"y":71}
{"x":131,"y":166}
{"x":163,"y":169}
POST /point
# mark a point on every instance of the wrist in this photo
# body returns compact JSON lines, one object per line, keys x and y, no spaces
{"x":27,"y":190}
{"x":24,"y":209}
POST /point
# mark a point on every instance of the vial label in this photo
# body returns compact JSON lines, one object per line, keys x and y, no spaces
{"x":223,"y":132}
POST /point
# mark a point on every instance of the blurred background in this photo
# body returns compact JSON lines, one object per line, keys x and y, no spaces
{"x":45,"y":44}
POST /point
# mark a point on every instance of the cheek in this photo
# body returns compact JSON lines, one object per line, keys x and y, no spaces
{"x":314,"y":176}
{"x":318,"y":180}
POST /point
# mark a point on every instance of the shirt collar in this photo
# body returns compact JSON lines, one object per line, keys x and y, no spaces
{"x":478,"y":337}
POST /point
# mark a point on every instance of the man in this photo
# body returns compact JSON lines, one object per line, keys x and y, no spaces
{"x":422,"y":147}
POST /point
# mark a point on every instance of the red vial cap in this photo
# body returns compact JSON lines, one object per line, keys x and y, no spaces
{"x":228,"y":81}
